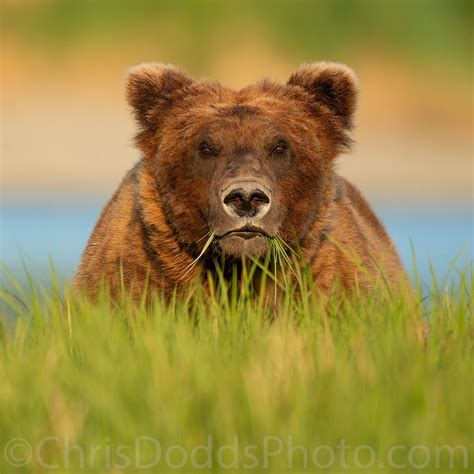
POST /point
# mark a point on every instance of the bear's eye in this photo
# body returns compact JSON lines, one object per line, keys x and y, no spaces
{"x":280,"y":149}
{"x":206,"y":150}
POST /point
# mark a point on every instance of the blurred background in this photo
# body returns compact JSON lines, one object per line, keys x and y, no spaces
{"x":66,"y":131}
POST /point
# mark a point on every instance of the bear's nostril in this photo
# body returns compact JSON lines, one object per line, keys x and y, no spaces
{"x":246,"y":202}
{"x":236,"y":196}
{"x":260,"y":197}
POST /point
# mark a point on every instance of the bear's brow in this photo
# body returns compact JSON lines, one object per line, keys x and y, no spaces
{"x":239,"y":110}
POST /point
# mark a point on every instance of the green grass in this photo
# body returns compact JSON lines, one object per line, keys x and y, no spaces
{"x":383,"y":376}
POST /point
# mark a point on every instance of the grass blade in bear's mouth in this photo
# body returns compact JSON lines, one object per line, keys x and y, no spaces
{"x":211,"y":237}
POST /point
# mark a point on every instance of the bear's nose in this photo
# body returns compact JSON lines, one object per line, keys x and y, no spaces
{"x":247,"y":200}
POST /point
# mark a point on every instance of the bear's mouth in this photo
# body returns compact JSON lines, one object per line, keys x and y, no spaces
{"x":247,"y":232}
{"x":246,"y":241}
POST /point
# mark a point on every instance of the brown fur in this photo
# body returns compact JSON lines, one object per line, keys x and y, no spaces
{"x":151,"y":229}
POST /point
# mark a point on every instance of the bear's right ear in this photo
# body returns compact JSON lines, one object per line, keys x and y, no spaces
{"x":151,"y":89}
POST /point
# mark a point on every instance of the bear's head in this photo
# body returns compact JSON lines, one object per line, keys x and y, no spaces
{"x":246,"y":164}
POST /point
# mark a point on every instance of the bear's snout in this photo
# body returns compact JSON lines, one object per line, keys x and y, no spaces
{"x":246,"y":199}
{"x":244,"y":213}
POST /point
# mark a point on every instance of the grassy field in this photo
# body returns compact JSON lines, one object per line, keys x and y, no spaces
{"x":379,"y":383}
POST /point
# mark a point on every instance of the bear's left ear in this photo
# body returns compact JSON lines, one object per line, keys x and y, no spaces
{"x":152,"y":88}
{"x":330,"y":84}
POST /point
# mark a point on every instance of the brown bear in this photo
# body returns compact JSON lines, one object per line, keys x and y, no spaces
{"x":246,"y":165}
